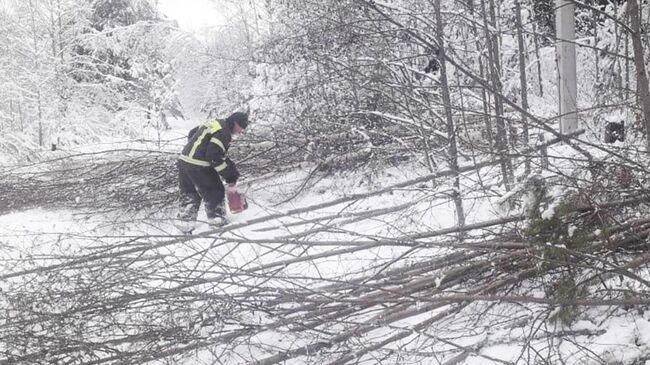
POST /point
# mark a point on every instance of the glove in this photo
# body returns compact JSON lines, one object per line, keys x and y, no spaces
{"x":233,"y":179}
{"x":230,"y":173}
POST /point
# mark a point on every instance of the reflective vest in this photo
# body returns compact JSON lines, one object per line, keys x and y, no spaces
{"x":203,"y":139}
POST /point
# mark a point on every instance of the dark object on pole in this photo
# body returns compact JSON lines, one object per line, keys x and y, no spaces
{"x":432,"y":66}
{"x":615,"y":132}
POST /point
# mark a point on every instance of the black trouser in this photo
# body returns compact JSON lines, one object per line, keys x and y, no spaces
{"x":196,"y":182}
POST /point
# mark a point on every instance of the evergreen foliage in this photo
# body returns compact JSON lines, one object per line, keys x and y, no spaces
{"x":74,"y":65}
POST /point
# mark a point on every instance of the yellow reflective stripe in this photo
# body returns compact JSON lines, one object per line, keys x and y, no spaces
{"x":218,"y":143}
{"x":210,"y":128}
{"x":221,"y":167}
{"x":213,"y":126}
{"x":198,"y":142}
{"x":194,"y":161}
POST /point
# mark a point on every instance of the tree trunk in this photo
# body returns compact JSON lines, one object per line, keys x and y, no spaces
{"x":53,"y":31}
{"x":619,"y":71}
{"x":594,"y":24}
{"x":41,"y":133}
{"x":60,"y":29}
{"x":522,"y":78}
{"x":641,"y":76}
{"x":451,"y":132}
{"x":495,"y":77}
{"x":485,"y":102}
{"x":538,"y":61}
{"x":22,"y":117}
{"x":627,"y":65}
{"x":37,"y":68}
{"x":12,"y":120}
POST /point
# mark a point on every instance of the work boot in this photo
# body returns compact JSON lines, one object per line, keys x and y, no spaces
{"x":185,"y":226}
{"x":218,"y":221}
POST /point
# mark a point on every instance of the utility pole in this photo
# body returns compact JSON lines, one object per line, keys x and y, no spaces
{"x":566,"y":59}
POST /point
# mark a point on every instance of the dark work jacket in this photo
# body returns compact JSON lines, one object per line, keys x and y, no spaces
{"x":207,"y":146}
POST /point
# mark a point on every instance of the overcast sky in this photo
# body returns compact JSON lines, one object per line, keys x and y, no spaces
{"x":191,"y":14}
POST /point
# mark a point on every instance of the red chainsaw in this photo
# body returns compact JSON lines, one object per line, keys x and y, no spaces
{"x":236,"y":201}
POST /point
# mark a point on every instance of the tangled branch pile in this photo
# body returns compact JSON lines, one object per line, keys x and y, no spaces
{"x":317,"y":290}
{"x":103,"y":181}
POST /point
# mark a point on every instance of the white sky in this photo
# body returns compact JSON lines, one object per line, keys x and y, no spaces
{"x":192,"y":15}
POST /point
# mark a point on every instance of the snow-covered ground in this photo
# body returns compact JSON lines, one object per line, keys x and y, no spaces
{"x":319,"y":236}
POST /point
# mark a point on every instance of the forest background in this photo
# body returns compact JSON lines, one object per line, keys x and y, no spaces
{"x":412,"y":200}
